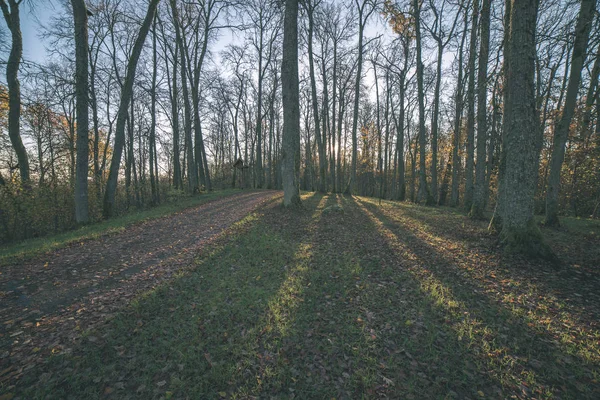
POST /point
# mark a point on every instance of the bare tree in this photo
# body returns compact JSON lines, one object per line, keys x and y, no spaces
{"x":478,"y":204}
{"x":12,"y":17}
{"x":582,"y":33}
{"x":442,"y":36}
{"x":291,"y":107}
{"x":126,"y":94}
{"x":470,"y":156}
{"x":81,"y":92}
{"x":423,"y":195}
{"x":365,"y":9}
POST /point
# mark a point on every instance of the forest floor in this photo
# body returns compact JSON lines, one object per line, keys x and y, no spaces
{"x":49,"y":299}
{"x":361,"y":300}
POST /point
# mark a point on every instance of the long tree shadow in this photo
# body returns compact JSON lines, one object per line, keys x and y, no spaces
{"x":53,"y":318}
{"x":576,"y":285}
{"x":359,"y":327}
{"x":534,"y":292}
{"x":514,"y":347}
{"x":313,"y":304}
{"x":171,"y":331}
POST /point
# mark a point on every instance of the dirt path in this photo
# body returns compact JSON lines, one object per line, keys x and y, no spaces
{"x":48,"y":301}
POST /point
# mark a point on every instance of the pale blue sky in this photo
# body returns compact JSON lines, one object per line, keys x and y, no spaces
{"x":33,"y":45}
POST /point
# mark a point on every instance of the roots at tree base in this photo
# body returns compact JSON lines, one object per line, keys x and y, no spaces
{"x":527,"y":241}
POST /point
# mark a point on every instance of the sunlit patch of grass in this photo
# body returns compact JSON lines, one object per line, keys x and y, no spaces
{"x":283,"y":304}
{"x":307,"y":304}
{"x":479,"y":337}
{"x":524,"y":299}
{"x":536,"y":309}
{"x":266,"y":360}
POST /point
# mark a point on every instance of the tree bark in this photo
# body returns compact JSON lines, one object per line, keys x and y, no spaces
{"x":423,"y":195}
{"x":399,"y":123}
{"x":520,"y":233}
{"x":315,"y":103}
{"x":290,"y":162}
{"x":192,"y":172}
{"x":81,"y":94}
{"x":458,"y":113}
{"x":152,"y":138}
{"x":13,"y":21}
{"x":177,"y":180}
{"x":470,"y":158}
{"x":478,"y":205}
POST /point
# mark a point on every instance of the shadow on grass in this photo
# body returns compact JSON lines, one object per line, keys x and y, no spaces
{"x":577,"y":284}
{"x":312,"y":305}
{"x":523,"y":351}
{"x":365,"y":329}
{"x":360,"y":328}
{"x":194,"y":325}
{"x":575,"y":290}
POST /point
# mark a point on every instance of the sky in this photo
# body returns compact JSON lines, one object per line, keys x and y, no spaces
{"x":33,"y":45}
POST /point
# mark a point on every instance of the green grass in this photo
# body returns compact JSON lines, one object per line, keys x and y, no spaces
{"x":585,"y":226}
{"x":378,"y":301}
{"x":34,"y":247}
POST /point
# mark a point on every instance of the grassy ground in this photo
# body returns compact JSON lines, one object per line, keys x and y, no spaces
{"x":33,"y":247}
{"x":372,"y":301}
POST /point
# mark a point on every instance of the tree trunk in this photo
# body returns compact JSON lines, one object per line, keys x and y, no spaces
{"x":291,"y":108}
{"x":434,"y":124}
{"x":177,"y":180}
{"x":361,"y":27}
{"x":81,"y":93}
{"x":152,"y":138}
{"x":480,"y":191}
{"x":315,"y":101}
{"x":520,"y":233}
{"x":470,"y":161}
{"x":13,"y":22}
{"x":423,"y":195}
{"x":126,"y":94}
{"x":458,"y":100}
{"x":561,"y":133}
{"x":258,"y":169}
{"x":96,"y":123}
{"x":399,"y":122}
{"x":496,"y":221}
{"x":192,"y":172}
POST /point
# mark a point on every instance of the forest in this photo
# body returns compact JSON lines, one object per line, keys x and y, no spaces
{"x":300,"y":199}
{"x":177,"y":93}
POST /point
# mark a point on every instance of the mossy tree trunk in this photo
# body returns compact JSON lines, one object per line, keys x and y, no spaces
{"x":519,"y":232}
